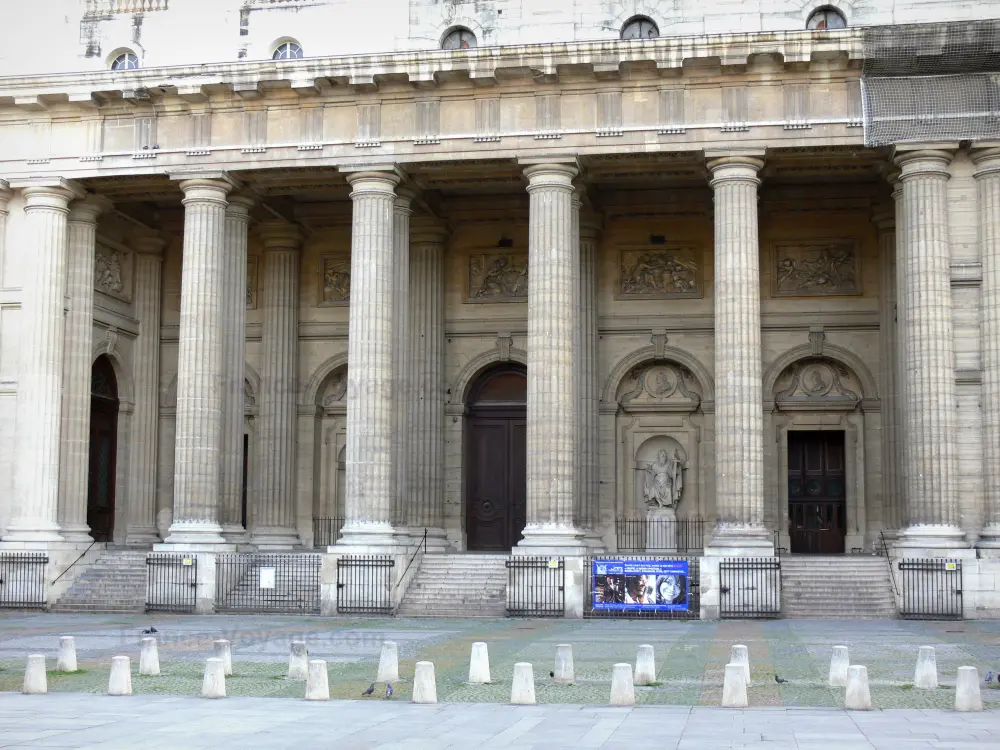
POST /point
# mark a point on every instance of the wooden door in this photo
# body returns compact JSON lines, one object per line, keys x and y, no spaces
{"x":103,"y":450}
{"x":817,"y":505}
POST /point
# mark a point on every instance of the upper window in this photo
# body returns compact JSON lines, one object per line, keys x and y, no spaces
{"x":458,"y":38}
{"x":825,"y":19}
{"x":640,"y":27}
{"x":125,"y":61}
{"x":287,"y":51}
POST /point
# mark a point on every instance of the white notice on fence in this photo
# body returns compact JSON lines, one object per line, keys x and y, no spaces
{"x":267,"y":578}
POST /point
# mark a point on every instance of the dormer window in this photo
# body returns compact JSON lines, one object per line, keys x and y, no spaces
{"x":825,"y":19}
{"x":640,"y":27}
{"x":125,"y":61}
{"x":458,"y":38}
{"x":287,"y":51}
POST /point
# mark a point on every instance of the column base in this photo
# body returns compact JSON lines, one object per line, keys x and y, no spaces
{"x":989,"y":540}
{"x":367,"y":537}
{"x":75,"y":532}
{"x":274,"y":538}
{"x":234,"y":533}
{"x":931,"y":537}
{"x":437,"y":538}
{"x":594,"y":542}
{"x":141,"y":536}
{"x":553,"y":539}
{"x":194,"y":533}
{"x":740,"y":540}
{"x":33,"y":532}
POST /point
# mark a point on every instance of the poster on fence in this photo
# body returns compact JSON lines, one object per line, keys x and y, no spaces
{"x":641,"y":585}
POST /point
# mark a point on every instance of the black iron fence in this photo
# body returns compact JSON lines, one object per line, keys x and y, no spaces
{"x":931,"y":589}
{"x":326,"y":531}
{"x":364,"y":584}
{"x":22,"y":580}
{"x":171,"y":582}
{"x":287,"y":583}
{"x":671,"y":535}
{"x":643,"y":586}
{"x":749,"y":587}
{"x":536,"y":586}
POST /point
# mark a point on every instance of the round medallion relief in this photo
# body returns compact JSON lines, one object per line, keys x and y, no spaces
{"x":816,"y":379}
{"x":660,"y":382}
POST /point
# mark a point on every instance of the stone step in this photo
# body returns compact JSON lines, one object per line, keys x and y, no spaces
{"x":115,"y":582}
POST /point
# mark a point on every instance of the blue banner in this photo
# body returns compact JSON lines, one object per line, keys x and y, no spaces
{"x":641,"y":585}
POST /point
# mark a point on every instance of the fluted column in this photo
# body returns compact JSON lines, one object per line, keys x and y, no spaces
{"x":370,"y":472}
{"x":274,"y":516}
{"x":553,"y":406}
{"x":739,"y":429}
{"x":401,"y":355}
{"x":74,"y":460}
{"x":931,"y":501}
{"x":197,"y":455}
{"x":34,"y":512}
{"x":899,"y":402}
{"x":425,"y":503}
{"x":589,"y":461}
{"x":988,"y":187}
{"x":885,"y":222}
{"x":234,"y":366}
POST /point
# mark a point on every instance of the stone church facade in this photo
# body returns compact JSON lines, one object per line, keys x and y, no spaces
{"x":513,"y":291}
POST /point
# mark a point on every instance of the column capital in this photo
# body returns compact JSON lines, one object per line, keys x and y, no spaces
{"x":591,"y":225}
{"x":404,"y":200}
{"x":239,"y":207}
{"x":87,"y":210}
{"x":51,"y":193}
{"x":5,"y":195}
{"x":986,"y":159}
{"x":149,"y":244}
{"x":926,"y":162}
{"x":734,"y":167}
{"x":884,"y":218}
{"x":205,"y":190}
{"x":425,"y":230}
{"x":373,"y":183}
{"x":279,"y":235}
{"x":556,"y":175}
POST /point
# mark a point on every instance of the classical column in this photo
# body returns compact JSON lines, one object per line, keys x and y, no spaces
{"x":739,"y":429}
{"x":40,"y":375}
{"x":988,"y":204}
{"x":141,"y":529}
{"x":274,"y":515}
{"x":899,"y":401}
{"x":931,"y":509}
{"x":197,"y":456}
{"x":401,"y":355}
{"x":589,"y":442}
{"x":553,"y":407}
{"x":233,"y":367}
{"x":371,"y":423}
{"x":885,"y":222}
{"x":74,"y":460}
{"x":425,"y":503}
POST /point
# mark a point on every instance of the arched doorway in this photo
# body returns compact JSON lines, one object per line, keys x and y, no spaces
{"x":496,"y":458}
{"x":103,"y":449}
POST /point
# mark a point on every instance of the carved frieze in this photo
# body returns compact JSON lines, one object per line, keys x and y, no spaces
{"x":335,"y":283}
{"x":816,"y":268}
{"x":252,"y":282}
{"x":113,"y":272}
{"x":659,"y":272}
{"x":659,"y":386}
{"x":498,"y":277}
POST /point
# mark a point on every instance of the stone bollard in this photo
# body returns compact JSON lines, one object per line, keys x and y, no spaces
{"x":967,"y":697}
{"x":479,"y":665}
{"x":925,"y":675}
{"x":120,"y":681}
{"x":298,"y":662}
{"x":734,"y":687}
{"x":224,"y":651}
{"x":740,"y":655}
{"x":858,"y":698}
{"x":645,"y":666}
{"x":839,"y":663}
{"x":67,"y":654}
{"x":35,"y":682}
{"x":214,"y":684}
{"x":424,"y":684}
{"x":522,"y":687}
{"x":318,"y":681}
{"x":622,"y":690}
{"x":563,"y":674}
{"x":149,"y":657}
{"x":388,"y":663}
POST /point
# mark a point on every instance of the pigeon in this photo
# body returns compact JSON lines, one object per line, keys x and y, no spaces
{"x":150,"y":631}
{"x":388,"y":690}
{"x":370,"y":690}
{"x":780,"y":680}
{"x":552,"y":674}
{"x":989,"y":677}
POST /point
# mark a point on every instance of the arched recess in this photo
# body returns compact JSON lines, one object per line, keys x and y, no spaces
{"x":475,"y":367}
{"x":669,"y":354}
{"x":104,"y":472}
{"x":323,"y":425}
{"x":320,"y":374}
{"x":829,"y":351}
{"x":108,"y":349}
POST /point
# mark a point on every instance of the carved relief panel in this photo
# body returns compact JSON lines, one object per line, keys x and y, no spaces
{"x":660,"y":272}
{"x":659,"y":387}
{"x":817,"y":383}
{"x":498,"y":277}
{"x":252,"y":282}
{"x":816,"y":267}
{"x":335,"y":283}
{"x":113,"y":272}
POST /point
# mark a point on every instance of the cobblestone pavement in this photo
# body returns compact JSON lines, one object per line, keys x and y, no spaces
{"x":690,"y":656}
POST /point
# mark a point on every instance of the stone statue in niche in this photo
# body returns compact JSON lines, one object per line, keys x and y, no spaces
{"x":658,"y":273}
{"x":336,"y":280}
{"x":664,"y":480}
{"x":498,"y":277}
{"x":828,"y":268}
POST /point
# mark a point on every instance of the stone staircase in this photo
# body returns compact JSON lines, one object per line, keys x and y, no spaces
{"x":116,"y":582}
{"x":457,"y":585}
{"x":836,"y":587}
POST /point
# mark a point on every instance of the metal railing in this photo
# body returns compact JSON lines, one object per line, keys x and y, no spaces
{"x":884,"y":550}
{"x":22,"y":580}
{"x":171,"y":582}
{"x":364,"y":584}
{"x":677,"y":536}
{"x":931,"y":589}
{"x":419,"y":551}
{"x":287,"y":583}
{"x":536,"y":586}
{"x":646,"y":587}
{"x":82,"y":555}
{"x":749,"y":587}
{"x":326,"y":531}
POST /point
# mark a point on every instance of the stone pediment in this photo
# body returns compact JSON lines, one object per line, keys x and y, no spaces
{"x":817,"y":384}
{"x":660,"y":386}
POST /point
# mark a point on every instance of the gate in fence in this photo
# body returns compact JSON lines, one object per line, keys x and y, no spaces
{"x":171,"y":582}
{"x":931,"y":589}
{"x":749,"y":587}
{"x":364,"y":584}
{"x":268,"y":583}
{"x":536,"y":586}
{"x":643,"y":586}
{"x":22,"y":580}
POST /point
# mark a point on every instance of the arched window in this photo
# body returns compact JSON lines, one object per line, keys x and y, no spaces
{"x":640,"y":27}
{"x":287,"y":51}
{"x":125,"y":61}
{"x":458,"y":38}
{"x":824,"y":19}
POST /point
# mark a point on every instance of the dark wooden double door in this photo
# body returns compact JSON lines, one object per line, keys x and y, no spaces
{"x":103,"y":449}
{"x":817,"y":503}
